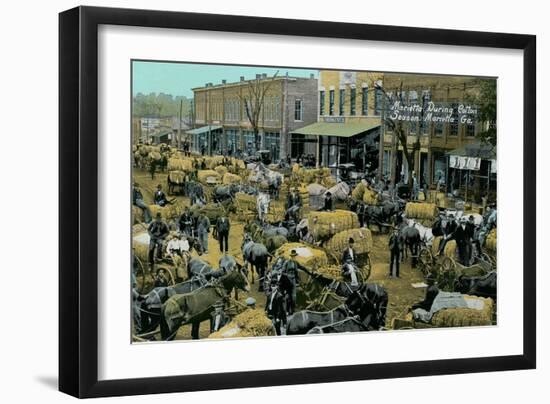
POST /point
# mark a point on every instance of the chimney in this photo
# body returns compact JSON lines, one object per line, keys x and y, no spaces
{"x":224,"y":81}
{"x":242,"y":78}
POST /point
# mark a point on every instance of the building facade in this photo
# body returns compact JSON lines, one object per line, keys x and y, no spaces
{"x":349,"y":116}
{"x":222,"y":124}
{"x":436,"y":116}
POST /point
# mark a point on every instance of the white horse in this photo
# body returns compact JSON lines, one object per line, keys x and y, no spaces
{"x":426,"y":234}
{"x":262,"y":205}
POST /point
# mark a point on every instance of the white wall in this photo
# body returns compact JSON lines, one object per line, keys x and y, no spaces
{"x":28,"y":164}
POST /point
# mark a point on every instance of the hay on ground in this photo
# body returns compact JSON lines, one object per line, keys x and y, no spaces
{"x":465,"y":317}
{"x":250,"y":323}
{"x":362,"y":238}
{"x":308,"y":256}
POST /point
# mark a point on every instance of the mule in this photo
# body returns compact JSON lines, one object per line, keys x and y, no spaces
{"x":257,"y":256}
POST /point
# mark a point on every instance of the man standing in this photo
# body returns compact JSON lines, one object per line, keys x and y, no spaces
{"x":290,"y":269}
{"x":137,"y":199}
{"x":395,"y":245}
{"x":462,"y":238}
{"x":153,"y":168}
{"x":471,"y":229}
{"x":222,"y":227}
{"x":185,"y":222}
{"x":415,"y":187}
{"x":158,"y":230}
{"x":349,"y":264}
{"x":203,"y":228}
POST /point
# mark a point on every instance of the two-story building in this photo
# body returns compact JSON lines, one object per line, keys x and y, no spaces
{"x":438,"y":117}
{"x":349,"y":120}
{"x":223,"y":126}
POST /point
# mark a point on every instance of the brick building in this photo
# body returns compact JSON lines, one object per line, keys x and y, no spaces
{"x":221,"y":124}
{"x":449,"y":128}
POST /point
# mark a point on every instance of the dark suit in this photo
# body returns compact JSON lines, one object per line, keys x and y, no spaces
{"x":462,"y":238}
{"x":395,"y":243}
{"x":222,"y":228}
{"x":328,"y":204}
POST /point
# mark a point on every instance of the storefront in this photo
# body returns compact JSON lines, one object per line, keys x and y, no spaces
{"x":337,"y":143}
{"x":207,"y":138}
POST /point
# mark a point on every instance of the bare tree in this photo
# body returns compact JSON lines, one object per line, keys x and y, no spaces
{"x":253,"y":100}
{"x":400,"y":134}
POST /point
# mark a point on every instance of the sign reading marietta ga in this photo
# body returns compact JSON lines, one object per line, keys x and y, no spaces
{"x":432,"y":112}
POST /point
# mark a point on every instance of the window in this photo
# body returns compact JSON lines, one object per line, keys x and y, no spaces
{"x":453,"y":127}
{"x":377,"y":101}
{"x":298,"y":112}
{"x":321,"y":103}
{"x":352,"y":101}
{"x":365,"y":101}
{"x":331,"y":103}
{"x":470,"y":129}
{"x":439,"y":128}
{"x":341,"y":101}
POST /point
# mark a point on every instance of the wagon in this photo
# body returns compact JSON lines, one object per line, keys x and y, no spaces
{"x":446,"y":271}
{"x":176,"y":182}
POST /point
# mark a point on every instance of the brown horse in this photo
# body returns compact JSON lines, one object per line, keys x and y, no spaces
{"x":196,"y":306}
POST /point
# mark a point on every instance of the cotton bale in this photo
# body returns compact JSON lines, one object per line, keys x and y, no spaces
{"x":249,"y":323}
{"x":206,"y":177}
{"x":221,"y":170}
{"x":450,"y":247}
{"x":491,"y":241}
{"x":229,"y":178}
{"x":421,"y":210}
{"x":245,"y":202}
{"x":362,"y":241}
{"x":177,"y":177}
{"x":466,"y":316}
{"x":308,"y":256}
{"x":330,"y":223}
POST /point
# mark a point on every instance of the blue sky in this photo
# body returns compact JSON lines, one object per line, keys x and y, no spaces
{"x":180,"y":78}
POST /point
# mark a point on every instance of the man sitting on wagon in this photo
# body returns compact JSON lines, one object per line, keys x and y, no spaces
{"x":158,"y":230}
{"x":160,"y":197}
{"x":349,"y":267}
{"x":137,"y":200}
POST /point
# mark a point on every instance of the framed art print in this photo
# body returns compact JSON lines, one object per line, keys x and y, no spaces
{"x":303,"y":213}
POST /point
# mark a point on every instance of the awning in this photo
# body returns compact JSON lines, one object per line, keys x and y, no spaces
{"x":337,"y":129}
{"x":204,"y":129}
{"x":477,"y":148}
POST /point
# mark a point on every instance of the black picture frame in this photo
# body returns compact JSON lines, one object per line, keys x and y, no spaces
{"x":78,"y":196}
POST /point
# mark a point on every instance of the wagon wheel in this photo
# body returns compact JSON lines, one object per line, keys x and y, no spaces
{"x":365,"y":270}
{"x":143,"y":275}
{"x":488,"y":259}
{"x":447,"y":274}
{"x":425,"y":261}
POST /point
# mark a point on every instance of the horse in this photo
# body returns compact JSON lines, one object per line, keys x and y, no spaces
{"x":272,"y":243}
{"x":370,"y":303}
{"x":152,"y":302}
{"x":411,"y":241}
{"x":350,"y":324}
{"x":197,"y":306}
{"x":482,"y":286}
{"x":222,"y":193}
{"x":426,"y":233}
{"x":257,"y":256}
{"x":198,"y":267}
{"x":302,"y":321}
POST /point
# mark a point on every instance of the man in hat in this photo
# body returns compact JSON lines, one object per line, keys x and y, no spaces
{"x":290,"y":269}
{"x":222,"y":228}
{"x":449,"y":232}
{"x":349,"y":254}
{"x":185,"y":222}
{"x":462,"y":238}
{"x":160,"y":197}
{"x":396,"y":245}
{"x":158,"y":230}
{"x":137,"y":200}
{"x":349,"y":267}
{"x":203,"y":228}
{"x":218,"y":317}
{"x":161,"y":281}
{"x":329,"y":204}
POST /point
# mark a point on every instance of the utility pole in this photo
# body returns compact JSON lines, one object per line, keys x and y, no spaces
{"x":179,"y":130}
